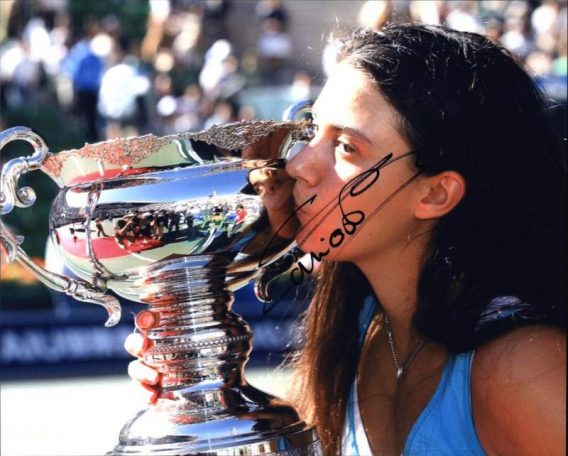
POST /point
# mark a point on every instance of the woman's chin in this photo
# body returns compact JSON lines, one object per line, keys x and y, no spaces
{"x":316,"y":248}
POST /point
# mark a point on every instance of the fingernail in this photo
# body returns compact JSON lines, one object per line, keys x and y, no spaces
{"x":145,"y":319}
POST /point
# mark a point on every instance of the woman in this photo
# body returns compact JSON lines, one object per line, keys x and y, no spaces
{"x":438,"y":207}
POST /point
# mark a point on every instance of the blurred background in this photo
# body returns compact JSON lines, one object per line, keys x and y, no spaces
{"x":81,"y":71}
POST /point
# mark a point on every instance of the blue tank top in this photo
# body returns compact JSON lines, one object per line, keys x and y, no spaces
{"x":445,"y":426}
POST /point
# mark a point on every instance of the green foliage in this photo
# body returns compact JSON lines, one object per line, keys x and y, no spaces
{"x":59,"y":132}
{"x":131,"y":15}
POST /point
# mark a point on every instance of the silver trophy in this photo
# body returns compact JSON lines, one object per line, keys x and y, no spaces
{"x":179,"y":223}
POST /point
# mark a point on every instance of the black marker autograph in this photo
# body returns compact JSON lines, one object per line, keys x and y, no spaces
{"x":350,"y":220}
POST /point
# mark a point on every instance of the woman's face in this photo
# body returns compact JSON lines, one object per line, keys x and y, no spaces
{"x":351,"y":200}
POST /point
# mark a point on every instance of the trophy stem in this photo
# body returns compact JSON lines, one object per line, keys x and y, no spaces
{"x":200,"y":347}
{"x":199,"y":340}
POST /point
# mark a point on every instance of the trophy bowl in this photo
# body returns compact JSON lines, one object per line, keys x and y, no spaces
{"x":178,"y":223}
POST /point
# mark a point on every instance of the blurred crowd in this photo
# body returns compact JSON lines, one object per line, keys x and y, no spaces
{"x":185,"y":72}
{"x":535,"y":31}
{"x":182,"y":75}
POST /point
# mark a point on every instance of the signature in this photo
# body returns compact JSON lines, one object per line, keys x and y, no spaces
{"x":350,"y":221}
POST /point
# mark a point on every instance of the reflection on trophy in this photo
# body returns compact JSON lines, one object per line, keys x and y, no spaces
{"x":178,"y":223}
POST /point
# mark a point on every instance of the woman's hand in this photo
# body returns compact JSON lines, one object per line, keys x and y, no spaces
{"x":135,"y":344}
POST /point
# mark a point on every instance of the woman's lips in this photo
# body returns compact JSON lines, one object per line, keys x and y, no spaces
{"x":298,"y":207}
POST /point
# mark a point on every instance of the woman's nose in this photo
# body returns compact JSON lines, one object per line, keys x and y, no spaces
{"x":303,"y":166}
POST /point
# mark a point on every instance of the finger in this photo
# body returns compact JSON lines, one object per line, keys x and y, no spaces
{"x":145,"y":393}
{"x":135,"y":344}
{"x":147,"y":320}
{"x":151,"y":393}
{"x":142,"y":373}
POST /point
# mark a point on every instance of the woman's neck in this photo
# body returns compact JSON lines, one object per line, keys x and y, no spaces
{"x":394,"y":280}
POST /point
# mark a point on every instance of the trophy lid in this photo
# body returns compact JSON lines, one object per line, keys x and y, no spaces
{"x":137,"y":155}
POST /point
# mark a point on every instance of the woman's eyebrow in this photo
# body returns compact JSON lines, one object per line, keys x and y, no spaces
{"x":351,"y":132}
{"x":343,"y":129}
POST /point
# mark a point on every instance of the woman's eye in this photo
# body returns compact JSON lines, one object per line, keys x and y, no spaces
{"x":344,"y":147}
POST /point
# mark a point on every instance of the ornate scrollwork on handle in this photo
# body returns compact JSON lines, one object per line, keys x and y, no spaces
{"x":11,"y":196}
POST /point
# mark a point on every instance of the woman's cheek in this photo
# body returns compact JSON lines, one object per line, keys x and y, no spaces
{"x":317,"y":231}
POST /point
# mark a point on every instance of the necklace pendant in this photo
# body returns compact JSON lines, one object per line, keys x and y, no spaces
{"x":399,"y":372}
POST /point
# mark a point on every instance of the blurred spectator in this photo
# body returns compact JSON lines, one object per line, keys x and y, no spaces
{"x":246,"y":113}
{"x":427,"y":12}
{"x":274,"y":49}
{"x":463,"y":15}
{"x":300,"y":89}
{"x":560,"y":64}
{"x":375,"y":13}
{"x":121,"y":90}
{"x":272,"y":9}
{"x":224,"y":113}
{"x":84,"y":66}
{"x":515,"y":37}
{"x":494,"y":30}
{"x":187,"y":108}
{"x":20,"y":74}
{"x":214,"y":69}
{"x":214,"y":14}
{"x":159,"y":12}
{"x":185,"y":44}
{"x":539,"y":63}
{"x":545,"y":17}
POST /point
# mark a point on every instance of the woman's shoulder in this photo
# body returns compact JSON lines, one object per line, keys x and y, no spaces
{"x":519,"y":391}
{"x":521,"y":352}
{"x":534,"y":338}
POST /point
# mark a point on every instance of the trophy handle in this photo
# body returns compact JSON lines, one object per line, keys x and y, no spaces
{"x":10,"y":196}
{"x":300,"y":111}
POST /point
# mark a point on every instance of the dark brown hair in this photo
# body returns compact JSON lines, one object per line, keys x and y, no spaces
{"x":327,"y":362}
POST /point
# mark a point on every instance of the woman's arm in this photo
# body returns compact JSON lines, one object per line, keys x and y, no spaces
{"x":519,"y":393}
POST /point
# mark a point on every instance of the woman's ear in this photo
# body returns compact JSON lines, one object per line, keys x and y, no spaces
{"x":441,"y":193}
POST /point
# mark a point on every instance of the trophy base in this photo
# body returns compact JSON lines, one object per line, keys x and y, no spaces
{"x":251,"y":422}
{"x":278,"y":446}
{"x":205,"y":406}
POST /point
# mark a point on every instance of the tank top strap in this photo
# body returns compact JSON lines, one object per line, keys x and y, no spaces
{"x":366,"y":316}
{"x":446,"y":424}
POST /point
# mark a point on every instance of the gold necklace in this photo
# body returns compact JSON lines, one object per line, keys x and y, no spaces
{"x":401,"y":369}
